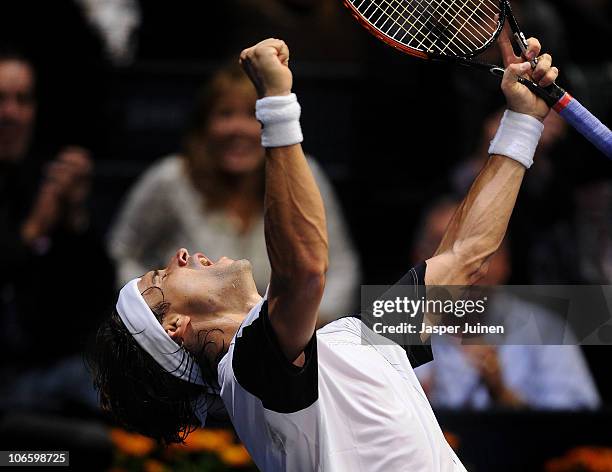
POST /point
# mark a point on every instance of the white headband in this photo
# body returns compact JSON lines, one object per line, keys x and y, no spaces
{"x":140,"y":321}
{"x":150,"y":335}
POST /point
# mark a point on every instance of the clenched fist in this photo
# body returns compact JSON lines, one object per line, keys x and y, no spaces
{"x":267,"y":65}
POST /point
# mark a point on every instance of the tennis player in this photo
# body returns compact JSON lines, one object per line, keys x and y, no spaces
{"x":332,"y":400}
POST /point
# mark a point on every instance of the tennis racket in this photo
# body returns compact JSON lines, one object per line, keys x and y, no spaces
{"x":459,"y":30}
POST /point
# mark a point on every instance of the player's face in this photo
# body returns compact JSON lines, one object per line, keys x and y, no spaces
{"x":17,"y":109}
{"x":196,"y":286}
{"x":233,"y":133}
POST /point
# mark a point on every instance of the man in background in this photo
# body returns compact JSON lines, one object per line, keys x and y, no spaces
{"x":46,"y":245}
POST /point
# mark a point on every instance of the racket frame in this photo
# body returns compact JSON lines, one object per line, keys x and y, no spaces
{"x":503,"y":4}
{"x":551,"y":94}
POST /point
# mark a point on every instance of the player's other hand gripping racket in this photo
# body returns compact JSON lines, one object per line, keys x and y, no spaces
{"x":459,"y":30}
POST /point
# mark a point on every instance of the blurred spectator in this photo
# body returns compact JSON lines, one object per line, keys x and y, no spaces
{"x":578,"y":249}
{"x":210,"y":197}
{"x":515,"y":376}
{"x":69,"y":57}
{"x":48,"y":298}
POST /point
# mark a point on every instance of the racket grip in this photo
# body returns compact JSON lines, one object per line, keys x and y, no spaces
{"x":585,"y":123}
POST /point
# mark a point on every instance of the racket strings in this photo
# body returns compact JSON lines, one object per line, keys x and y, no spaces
{"x":435,"y":27}
{"x":442,"y":33}
{"x":398,"y":20}
{"x":461,"y":29}
{"x":441,"y":36}
{"x":403,"y":20}
{"x":465,"y":38}
{"x":418,"y":21}
{"x":450,"y":27}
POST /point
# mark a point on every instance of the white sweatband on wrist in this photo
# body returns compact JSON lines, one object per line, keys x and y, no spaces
{"x":280,"y":117}
{"x":517,"y":137}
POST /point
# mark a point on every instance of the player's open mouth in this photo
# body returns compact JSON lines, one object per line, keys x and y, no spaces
{"x":202,"y":259}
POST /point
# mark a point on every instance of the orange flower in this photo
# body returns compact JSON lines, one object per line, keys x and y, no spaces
{"x":214,"y":440}
{"x":131,"y":444}
{"x":593,"y":459}
{"x":235,"y":455}
{"x":154,"y":466}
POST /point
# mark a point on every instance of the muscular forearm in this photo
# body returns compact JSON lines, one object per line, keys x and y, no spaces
{"x":479,"y":225}
{"x":296,"y":238}
{"x":477,"y":228}
{"x":294,"y":217}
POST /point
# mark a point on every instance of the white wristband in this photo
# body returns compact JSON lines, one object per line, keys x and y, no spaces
{"x":517,"y":137}
{"x":280,"y":117}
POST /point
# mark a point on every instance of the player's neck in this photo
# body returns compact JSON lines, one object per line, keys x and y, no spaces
{"x":216,"y":336}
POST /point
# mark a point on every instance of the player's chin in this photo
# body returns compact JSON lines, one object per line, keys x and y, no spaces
{"x":243,"y":265}
{"x":232,"y":264}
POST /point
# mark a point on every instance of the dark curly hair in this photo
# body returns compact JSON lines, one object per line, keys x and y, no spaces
{"x":137,"y":391}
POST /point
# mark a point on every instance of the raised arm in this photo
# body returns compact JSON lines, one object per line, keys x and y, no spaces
{"x":479,"y":224}
{"x":294,"y":216}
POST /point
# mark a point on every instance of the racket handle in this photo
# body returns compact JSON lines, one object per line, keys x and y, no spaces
{"x":570,"y":110}
{"x":585,"y":123}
